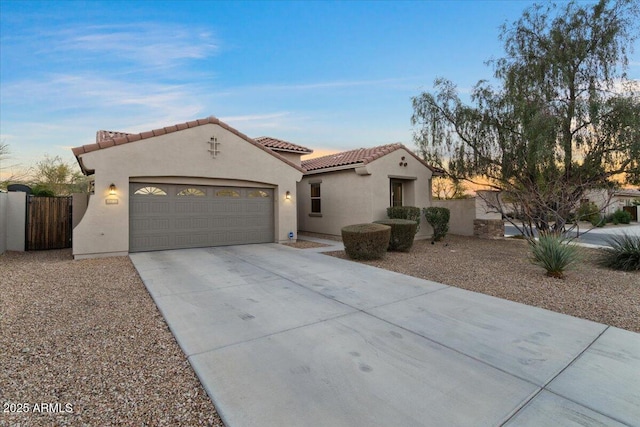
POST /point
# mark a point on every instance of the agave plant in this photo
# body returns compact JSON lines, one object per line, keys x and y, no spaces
{"x":554,"y":253}
{"x":624,"y":253}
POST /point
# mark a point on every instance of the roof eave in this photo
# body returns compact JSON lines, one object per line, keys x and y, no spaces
{"x":284,"y":150}
{"x":335,"y":168}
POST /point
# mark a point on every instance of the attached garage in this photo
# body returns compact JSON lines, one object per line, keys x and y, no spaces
{"x":195,"y":184}
{"x":166,"y":216}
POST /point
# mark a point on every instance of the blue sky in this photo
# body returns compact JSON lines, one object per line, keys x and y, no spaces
{"x":327,"y":75}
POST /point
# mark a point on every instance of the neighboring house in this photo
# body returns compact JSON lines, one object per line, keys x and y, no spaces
{"x":203,"y":183}
{"x":609,"y":201}
{"x":357,"y":186}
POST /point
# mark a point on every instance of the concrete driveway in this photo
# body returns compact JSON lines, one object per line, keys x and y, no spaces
{"x":286,"y":337}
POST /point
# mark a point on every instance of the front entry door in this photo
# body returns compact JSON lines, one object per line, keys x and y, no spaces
{"x":396,"y":193}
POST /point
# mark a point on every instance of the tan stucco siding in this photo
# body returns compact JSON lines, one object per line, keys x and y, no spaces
{"x":462,"y":213}
{"x":179,"y":156}
{"x":292,"y":157}
{"x":345,"y":200}
{"x":351,"y":198}
{"x":417,"y":185}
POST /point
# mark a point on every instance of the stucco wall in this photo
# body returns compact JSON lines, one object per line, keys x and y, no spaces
{"x":176,"y":157}
{"x":485,"y":202}
{"x":349,"y":197}
{"x":3,"y":222}
{"x":417,"y":185}
{"x":16,"y":211}
{"x":462,"y":213}
{"x":80,"y":201}
{"x":345,"y":199}
{"x":292,"y":157}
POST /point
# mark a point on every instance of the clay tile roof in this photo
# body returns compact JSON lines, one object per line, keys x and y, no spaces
{"x":352,"y":157}
{"x":280,"y":145}
{"x":106,"y":139}
{"x":360,"y":156}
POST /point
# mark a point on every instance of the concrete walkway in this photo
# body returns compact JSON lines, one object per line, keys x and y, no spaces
{"x":287,"y":337}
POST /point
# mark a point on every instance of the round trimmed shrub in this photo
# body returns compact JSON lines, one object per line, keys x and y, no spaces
{"x":402,"y":233}
{"x":405,"y":212}
{"x":438,"y":218}
{"x":366,"y":241}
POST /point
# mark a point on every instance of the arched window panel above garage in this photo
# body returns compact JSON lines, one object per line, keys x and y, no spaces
{"x":227,"y":193}
{"x":150,"y":190}
{"x":191,"y":192}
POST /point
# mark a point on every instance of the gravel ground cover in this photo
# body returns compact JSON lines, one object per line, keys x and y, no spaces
{"x":501,"y":268}
{"x":301,"y":235}
{"x":82,"y":343}
{"x":305,"y":244}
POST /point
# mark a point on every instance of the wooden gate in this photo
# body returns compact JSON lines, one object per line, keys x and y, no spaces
{"x":633,"y":210}
{"x":48,"y":223}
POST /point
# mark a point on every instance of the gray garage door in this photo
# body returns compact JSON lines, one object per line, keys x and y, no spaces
{"x":168,"y":216}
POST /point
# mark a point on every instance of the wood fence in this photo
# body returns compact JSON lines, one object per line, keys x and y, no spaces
{"x":633,"y":210}
{"x":48,"y":223}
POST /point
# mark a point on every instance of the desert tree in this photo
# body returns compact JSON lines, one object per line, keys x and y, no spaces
{"x":9,"y":173}
{"x":561,"y":117}
{"x":52,"y":173}
{"x":446,"y":188}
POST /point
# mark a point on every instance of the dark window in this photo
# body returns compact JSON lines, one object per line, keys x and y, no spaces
{"x":315,"y":198}
{"x":396,"y":193}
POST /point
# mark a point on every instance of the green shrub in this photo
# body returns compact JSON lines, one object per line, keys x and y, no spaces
{"x":438,"y":218}
{"x":598,"y":220}
{"x":366,"y":241}
{"x":624,"y":253}
{"x":621,"y":217}
{"x":402,"y":233}
{"x":587,"y":212}
{"x":554,"y":253}
{"x":405,"y":212}
{"x":42,"y":191}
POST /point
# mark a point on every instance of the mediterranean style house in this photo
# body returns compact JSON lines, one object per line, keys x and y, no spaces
{"x":203,"y":183}
{"x":358,"y":186}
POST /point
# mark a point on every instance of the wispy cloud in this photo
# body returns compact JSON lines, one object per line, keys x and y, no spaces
{"x":87,"y":92}
{"x":313,"y":86}
{"x":143,"y":44}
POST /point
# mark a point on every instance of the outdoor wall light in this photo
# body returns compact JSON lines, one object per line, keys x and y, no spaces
{"x":112,"y":189}
{"x":287,"y":195}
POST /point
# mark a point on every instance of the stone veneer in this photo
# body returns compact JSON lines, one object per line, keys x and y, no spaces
{"x":488,"y":228}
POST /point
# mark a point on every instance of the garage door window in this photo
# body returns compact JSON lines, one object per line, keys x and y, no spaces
{"x":150,"y":191}
{"x":191,"y":192}
{"x":227,"y":193}
{"x":258,"y":193}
